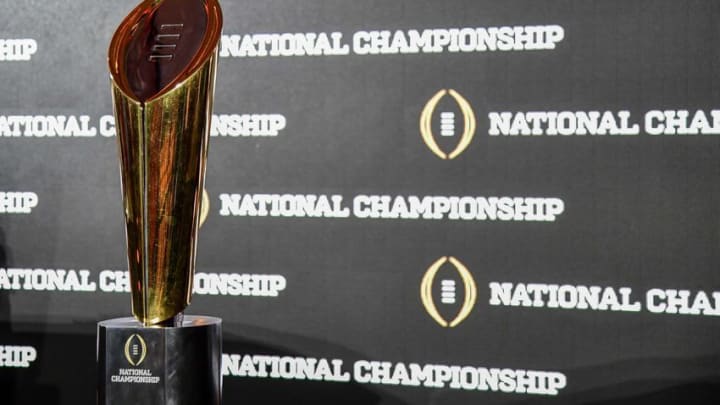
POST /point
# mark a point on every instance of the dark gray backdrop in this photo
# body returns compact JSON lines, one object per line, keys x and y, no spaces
{"x":640,"y":211}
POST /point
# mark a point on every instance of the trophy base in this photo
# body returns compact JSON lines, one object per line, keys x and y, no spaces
{"x":159,"y":365}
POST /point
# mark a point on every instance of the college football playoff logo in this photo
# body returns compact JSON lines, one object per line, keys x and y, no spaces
{"x":204,"y":207}
{"x":447,"y":124}
{"x":448,"y":291}
{"x":135,"y":350}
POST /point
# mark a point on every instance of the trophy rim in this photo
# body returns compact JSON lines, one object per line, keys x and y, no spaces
{"x":189,"y":321}
{"x":122,"y":35}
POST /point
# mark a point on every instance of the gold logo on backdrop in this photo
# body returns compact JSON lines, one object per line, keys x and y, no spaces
{"x":469,"y":124}
{"x":426,"y":287}
{"x":204,"y":207}
{"x":135,"y":350}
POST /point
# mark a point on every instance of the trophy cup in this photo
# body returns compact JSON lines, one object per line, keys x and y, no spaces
{"x":162,"y":61}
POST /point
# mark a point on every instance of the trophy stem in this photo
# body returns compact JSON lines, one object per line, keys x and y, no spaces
{"x":174,"y":322}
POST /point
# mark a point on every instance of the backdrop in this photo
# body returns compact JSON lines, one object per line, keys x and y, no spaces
{"x":409,"y":202}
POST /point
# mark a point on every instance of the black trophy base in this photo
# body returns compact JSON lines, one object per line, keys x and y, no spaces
{"x":141,"y":365}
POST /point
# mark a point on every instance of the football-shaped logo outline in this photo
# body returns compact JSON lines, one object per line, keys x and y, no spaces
{"x":143,"y":349}
{"x":426,"y":291}
{"x":469,"y":121}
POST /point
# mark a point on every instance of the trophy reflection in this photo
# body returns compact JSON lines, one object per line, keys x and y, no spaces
{"x":162,"y":62}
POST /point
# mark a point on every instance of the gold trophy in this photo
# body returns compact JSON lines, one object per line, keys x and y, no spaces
{"x":162,"y":61}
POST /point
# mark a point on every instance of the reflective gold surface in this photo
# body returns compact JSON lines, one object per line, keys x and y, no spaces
{"x":163,"y":150}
